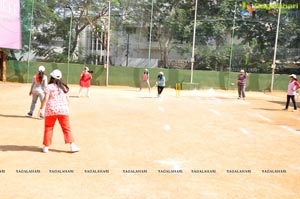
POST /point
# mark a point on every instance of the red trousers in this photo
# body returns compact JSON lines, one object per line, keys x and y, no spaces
{"x":65,"y":126}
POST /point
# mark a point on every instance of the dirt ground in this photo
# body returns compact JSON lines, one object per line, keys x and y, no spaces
{"x":202,"y":144}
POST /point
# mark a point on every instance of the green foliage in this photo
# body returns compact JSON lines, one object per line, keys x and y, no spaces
{"x":173,"y":23}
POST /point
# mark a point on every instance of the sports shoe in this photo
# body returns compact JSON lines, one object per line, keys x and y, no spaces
{"x":29,"y":114}
{"x":45,"y":149}
{"x":295,"y":110}
{"x":74,"y":148}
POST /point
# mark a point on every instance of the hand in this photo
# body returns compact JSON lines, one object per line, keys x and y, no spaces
{"x":40,"y":113}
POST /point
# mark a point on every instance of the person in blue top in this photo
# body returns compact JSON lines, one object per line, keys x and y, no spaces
{"x":161,"y":83}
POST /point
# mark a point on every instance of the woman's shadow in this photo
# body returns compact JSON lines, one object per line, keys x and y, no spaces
{"x":5,"y":148}
{"x":19,"y":148}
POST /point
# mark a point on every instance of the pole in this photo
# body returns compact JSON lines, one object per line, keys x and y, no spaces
{"x":275,"y":48}
{"x":194,"y":37}
{"x":150,"y":36}
{"x":231,"y":45}
{"x":108,"y":43}
{"x":70,"y":36}
{"x":29,"y":45}
{"x":127,"y":50}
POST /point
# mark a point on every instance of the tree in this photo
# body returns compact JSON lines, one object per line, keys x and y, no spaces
{"x":51,"y":22}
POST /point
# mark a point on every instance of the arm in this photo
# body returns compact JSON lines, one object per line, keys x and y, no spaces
{"x":297,"y":85}
{"x":30,"y":92}
{"x":32,"y":84}
{"x":44,"y":102}
{"x":238,"y":79}
{"x":45,"y":82}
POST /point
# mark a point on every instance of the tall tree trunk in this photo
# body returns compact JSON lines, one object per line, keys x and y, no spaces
{"x":3,"y":66}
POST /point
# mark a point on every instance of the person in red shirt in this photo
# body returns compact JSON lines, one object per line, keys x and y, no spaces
{"x":145,"y":80}
{"x":85,"y":81}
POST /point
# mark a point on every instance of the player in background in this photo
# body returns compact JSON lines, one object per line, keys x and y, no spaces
{"x":291,"y":92}
{"x":161,"y":83}
{"x":241,"y":84}
{"x":56,"y":106}
{"x":145,"y":79}
{"x":85,"y":81}
{"x":38,"y":84}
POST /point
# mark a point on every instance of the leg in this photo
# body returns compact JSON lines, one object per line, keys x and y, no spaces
{"x":162,"y":88}
{"x":65,"y":126}
{"x":239,"y":91}
{"x":243,"y":91}
{"x":149,"y":87}
{"x":158,"y":90}
{"x":88,"y":91}
{"x":141,"y":85}
{"x":48,"y":131}
{"x":80,"y":90}
{"x":294,"y":102}
{"x":33,"y":103}
{"x":42,"y":95}
{"x":288,"y":97}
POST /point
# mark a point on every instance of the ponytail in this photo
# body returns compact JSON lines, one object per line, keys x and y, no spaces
{"x":41,"y":76}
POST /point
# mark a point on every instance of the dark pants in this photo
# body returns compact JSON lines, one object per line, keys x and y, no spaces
{"x":241,"y":91}
{"x":288,"y":97}
{"x":159,"y":89}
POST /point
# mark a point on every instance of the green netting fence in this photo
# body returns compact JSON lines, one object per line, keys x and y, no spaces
{"x":130,"y":76}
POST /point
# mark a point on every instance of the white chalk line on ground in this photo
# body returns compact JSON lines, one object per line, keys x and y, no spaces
{"x":245,"y":131}
{"x":215,"y":112}
{"x":290,"y":129}
{"x":262,"y":117}
{"x":296,"y":167}
{"x":296,"y":118}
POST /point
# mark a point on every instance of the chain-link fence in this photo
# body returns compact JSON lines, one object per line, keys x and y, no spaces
{"x":158,"y":35}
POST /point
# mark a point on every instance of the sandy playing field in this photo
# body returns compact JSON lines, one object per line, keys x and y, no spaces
{"x":202,"y":144}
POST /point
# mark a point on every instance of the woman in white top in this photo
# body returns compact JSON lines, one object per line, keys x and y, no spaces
{"x":292,"y":87}
{"x":39,"y":83}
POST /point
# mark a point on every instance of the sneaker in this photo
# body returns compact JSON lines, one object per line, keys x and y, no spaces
{"x":42,"y":117}
{"x":295,"y":110}
{"x":285,"y":109}
{"x":45,"y":149}
{"x":29,"y":114}
{"x":74,"y":148}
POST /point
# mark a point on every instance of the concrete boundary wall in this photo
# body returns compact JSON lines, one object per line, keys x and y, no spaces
{"x":129,"y":76}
